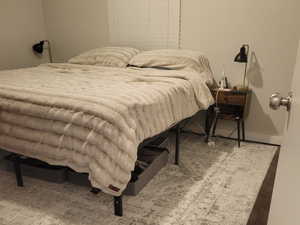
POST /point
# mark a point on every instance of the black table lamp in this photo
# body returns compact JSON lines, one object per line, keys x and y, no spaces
{"x":242,"y":57}
{"x":39,"y":48}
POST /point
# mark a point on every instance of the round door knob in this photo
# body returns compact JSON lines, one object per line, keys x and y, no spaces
{"x":276,"y":100}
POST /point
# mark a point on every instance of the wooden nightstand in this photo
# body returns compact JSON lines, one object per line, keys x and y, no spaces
{"x":231,"y":105}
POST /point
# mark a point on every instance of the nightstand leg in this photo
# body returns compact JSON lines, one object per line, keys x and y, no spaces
{"x":238,"y":131}
{"x":243,"y":130}
{"x":215,"y":126}
{"x":208,"y":122}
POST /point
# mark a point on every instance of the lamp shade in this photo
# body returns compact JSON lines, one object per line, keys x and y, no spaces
{"x":242,"y":57}
{"x":39,"y":47}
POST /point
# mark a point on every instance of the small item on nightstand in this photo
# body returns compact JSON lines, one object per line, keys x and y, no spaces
{"x":223,"y":82}
{"x":226,"y":82}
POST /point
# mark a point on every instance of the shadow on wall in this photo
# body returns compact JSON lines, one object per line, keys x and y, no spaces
{"x":259,"y":120}
{"x":255,"y":72}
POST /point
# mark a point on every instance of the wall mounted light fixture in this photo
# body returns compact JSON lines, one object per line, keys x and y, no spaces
{"x":39,"y":48}
{"x":243,"y":57}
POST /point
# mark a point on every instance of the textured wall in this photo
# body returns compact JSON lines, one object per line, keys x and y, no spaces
{"x":75,"y":26}
{"x":21,"y":25}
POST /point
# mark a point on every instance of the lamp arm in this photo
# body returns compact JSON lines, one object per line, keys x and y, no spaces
{"x":245,"y":75}
{"x":246,"y":66}
{"x":49,"y":51}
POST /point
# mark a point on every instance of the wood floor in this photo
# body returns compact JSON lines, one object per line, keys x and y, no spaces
{"x":260,"y":213}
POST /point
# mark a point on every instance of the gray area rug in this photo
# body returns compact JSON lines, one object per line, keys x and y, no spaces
{"x":212,"y":186}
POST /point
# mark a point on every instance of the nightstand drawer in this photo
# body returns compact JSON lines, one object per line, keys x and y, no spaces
{"x":230,"y":98}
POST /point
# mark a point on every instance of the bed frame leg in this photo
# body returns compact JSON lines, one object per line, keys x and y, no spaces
{"x":177,"y":147}
{"x":118,"y":204}
{"x":18,"y":172}
{"x":209,"y":122}
{"x":95,"y":191}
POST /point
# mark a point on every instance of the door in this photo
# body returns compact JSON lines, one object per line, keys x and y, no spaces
{"x":285,"y":206}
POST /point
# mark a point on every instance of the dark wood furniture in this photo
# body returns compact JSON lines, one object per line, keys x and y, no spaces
{"x":231,"y":105}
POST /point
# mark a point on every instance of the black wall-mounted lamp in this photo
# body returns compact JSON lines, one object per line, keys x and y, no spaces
{"x":243,"y":57}
{"x":39,"y":48}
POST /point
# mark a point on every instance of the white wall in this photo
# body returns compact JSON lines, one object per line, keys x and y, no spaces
{"x":22,"y":25}
{"x":74,"y":26}
{"x":219,"y":28}
{"x":146,"y":24}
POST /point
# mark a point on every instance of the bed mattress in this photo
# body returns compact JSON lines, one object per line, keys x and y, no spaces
{"x":93,"y":118}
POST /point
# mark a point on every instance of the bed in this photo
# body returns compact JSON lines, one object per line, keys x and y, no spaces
{"x":93,"y":118}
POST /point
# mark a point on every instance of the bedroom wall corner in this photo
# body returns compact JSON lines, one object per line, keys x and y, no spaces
{"x":75,"y":26}
{"x":22,"y":25}
{"x":219,"y":28}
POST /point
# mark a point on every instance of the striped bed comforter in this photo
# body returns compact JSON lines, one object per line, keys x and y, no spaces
{"x":93,"y":118}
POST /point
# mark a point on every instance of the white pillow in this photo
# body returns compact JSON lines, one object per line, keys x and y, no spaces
{"x":174,"y":59}
{"x":107,"y":56}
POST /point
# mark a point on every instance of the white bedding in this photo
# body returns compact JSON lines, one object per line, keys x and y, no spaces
{"x":92,"y":118}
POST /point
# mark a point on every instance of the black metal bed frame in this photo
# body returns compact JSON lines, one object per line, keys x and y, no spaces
{"x":118,"y":200}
